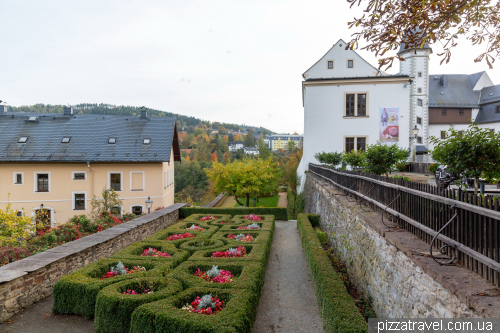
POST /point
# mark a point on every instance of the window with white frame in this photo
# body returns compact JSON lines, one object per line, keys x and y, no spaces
{"x":356,"y":104}
{"x":116,"y":211}
{"x":420,"y":102}
{"x":329,"y":64}
{"x":419,"y":90}
{"x":350,"y":63}
{"x":18,"y":178}
{"x":79,"y":200}
{"x":137,"y":210}
{"x":78,"y":175}
{"x":355,"y":143}
{"x":419,"y":121}
{"x":115,"y":180}
{"x":42,"y":181}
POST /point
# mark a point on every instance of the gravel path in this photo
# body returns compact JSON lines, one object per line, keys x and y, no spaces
{"x":283,"y":200}
{"x":288,"y":303}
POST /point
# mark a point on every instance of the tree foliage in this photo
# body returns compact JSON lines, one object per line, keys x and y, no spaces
{"x":246,"y":178}
{"x":249,"y":140}
{"x":332,"y":158}
{"x":264,"y":152}
{"x":109,"y":201}
{"x":291,"y":145}
{"x":474,"y":153}
{"x":387,"y":23}
{"x":354,"y":159}
{"x":14,"y":229}
{"x":381,"y":158}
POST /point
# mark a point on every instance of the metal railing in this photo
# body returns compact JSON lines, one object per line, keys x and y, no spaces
{"x":462,"y":226}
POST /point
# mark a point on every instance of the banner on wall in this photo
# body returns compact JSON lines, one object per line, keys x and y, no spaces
{"x":389,"y":124}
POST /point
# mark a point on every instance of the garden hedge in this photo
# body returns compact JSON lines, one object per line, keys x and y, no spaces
{"x":290,"y":207}
{"x":279,"y":213}
{"x":196,"y":217}
{"x":337,"y":307}
{"x":173,"y":282}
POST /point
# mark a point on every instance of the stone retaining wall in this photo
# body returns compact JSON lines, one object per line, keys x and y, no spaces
{"x":216,"y":201}
{"x":27,"y":281}
{"x":393,"y":266}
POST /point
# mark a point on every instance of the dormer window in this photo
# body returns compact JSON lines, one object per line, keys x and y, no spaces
{"x":146,"y":141}
{"x":32,"y":119}
{"x":23,"y":139}
{"x":330,"y":64}
{"x":65,"y":139}
{"x":112,"y":141}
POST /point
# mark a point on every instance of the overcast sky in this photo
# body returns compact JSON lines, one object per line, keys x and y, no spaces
{"x":228,"y":61}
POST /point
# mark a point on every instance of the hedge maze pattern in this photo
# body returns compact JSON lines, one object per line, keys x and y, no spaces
{"x":172,"y":281}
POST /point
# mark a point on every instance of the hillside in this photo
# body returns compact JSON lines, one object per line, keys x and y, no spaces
{"x":108,"y":109}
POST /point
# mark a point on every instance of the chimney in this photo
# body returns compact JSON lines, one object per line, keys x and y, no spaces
{"x":444,"y":81}
{"x":68,"y":110}
{"x":3,"y":109}
{"x":144,"y":114}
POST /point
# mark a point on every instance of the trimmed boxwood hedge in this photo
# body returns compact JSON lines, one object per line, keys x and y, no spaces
{"x":166,"y":316}
{"x":290,"y":208}
{"x":76,"y":292}
{"x":279,"y":213}
{"x":267,"y":226}
{"x":247,"y":275}
{"x":338,"y":311}
{"x":134,"y":251}
{"x":259,"y":236}
{"x":84,"y":293}
{"x":113,"y":309}
{"x":220,"y":217}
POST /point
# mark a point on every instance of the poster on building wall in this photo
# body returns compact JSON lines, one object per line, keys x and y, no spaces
{"x":389,"y":124}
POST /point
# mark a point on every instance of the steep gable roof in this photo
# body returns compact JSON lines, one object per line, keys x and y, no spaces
{"x":89,"y":135}
{"x":473,"y":78}
{"x":452,"y":90}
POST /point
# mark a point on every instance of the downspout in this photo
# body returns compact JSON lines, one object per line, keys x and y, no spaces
{"x":91,"y":181}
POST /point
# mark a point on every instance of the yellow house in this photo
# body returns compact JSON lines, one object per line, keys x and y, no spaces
{"x":59,"y":162}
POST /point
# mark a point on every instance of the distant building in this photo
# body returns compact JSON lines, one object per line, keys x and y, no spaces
{"x":279,"y":141}
{"x":235,"y":145}
{"x":251,"y":151}
{"x":57,"y":163}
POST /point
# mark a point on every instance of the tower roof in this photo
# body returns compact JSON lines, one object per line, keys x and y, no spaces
{"x":403,"y":47}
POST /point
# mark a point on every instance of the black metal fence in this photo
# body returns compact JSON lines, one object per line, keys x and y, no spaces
{"x":462,"y":226}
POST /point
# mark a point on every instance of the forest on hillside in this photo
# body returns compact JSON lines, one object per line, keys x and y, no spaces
{"x":123,"y":110}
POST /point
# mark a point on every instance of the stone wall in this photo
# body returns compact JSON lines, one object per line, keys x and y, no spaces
{"x":216,"y":201}
{"x":420,"y":167}
{"x":27,"y":281}
{"x":393,"y":266}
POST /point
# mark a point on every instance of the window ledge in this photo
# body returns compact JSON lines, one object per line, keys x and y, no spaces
{"x":79,"y":209}
{"x":42,"y":191}
{"x":351,"y":117}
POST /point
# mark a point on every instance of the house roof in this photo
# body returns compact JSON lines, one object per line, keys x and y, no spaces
{"x":473,"y":78}
{"x":453,"y":90}
{"x":358,"y":77}
{"x":89,"y":135}
{"x":421,"y":149}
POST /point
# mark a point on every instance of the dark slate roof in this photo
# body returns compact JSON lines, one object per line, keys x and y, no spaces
{"x":358,"y":77}
{"x":488,"y":114}
{"x":490,"y":94}
{"x":421,"y":149}
{"x":89,"y":138}
{"x":473,"y":78}
{"x":452,"y":90}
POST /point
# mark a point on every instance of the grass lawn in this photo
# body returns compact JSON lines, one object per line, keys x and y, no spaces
{"x":263,"y":202}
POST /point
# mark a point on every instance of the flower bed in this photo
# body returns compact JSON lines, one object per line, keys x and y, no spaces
{"x":233,"y":277}
{"x":215,"y":275}
{"x":278,"y":213}
{"x":252,"y":217}
{"x":241,"y":237}
{"x":196,"y":228}
{"x":120,"y":269}
{"x":251,"y":226}
{"x":207,"y":218}
{"x":179,"y":236}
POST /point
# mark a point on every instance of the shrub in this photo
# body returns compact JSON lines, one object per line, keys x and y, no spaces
{"x":433,"y":167}
{"x":381,"y":158}
{"x":354,"y":159}
{"x":333,"y":158}
{"x":290,"y":208}
{"x":14,"y":229}
{"x":322,"y":236}
{"x":10,"y":254}
{"x":339,"y":312}
{"x":403,"y":177}
{"x":401,"y":166}
{"x":279,"y":213}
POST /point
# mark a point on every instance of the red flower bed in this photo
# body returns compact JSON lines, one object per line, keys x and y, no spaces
{"x":154,"y":253}
{"x":179,"y":236}
{"x":207,"y":218}
{"x":241,"y":237}
{"x":215,"y":275}
{"x":207,"y":305}
{"x":240,"y":251}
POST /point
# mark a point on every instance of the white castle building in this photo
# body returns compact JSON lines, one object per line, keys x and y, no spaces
{"x":348,"y":103}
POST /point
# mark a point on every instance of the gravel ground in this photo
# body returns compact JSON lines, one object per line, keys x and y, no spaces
{"x":288,"y":303}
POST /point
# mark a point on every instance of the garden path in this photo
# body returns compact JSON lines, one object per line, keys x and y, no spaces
{"x":288,"y":303}
{"x":283,"y":200}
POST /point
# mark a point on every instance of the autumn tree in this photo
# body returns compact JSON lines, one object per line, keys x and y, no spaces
{"x":386,"y":24}
{"x":245,"y":179}
{"x":249,"y":140}
{"x":264,"y":152}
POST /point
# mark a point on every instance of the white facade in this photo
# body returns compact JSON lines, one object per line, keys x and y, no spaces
{"x":326,"y":125}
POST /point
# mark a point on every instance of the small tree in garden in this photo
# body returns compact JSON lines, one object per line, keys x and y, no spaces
{"x":291,"y":145}
{"x":474,"y":153}
{"x":380,"y":158}
{"x":333,"y":158}
{"x":247,"y":178}
{"x":14,"y":229}
{"x":108,"y":201}
{"x":354,"y":159}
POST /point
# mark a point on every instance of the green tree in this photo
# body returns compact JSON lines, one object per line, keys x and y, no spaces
{"x":354,"y":159}
{"x":107,"y":203}
{"x":291,"y":145}
{"x":381,"y":158}
{"x":247,"y":178}
{"x":474,"y":153}
{"x":333,"y":158}
{"x":264,"y":153}
{"x":249,"y":140}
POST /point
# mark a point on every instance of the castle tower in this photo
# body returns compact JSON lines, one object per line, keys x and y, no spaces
{"x":416,"y":65}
